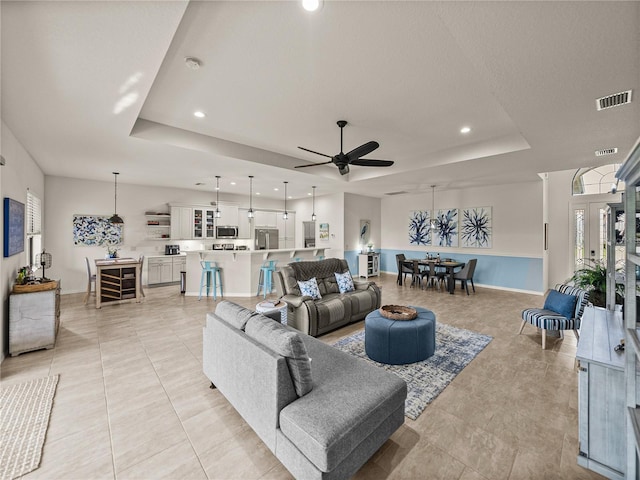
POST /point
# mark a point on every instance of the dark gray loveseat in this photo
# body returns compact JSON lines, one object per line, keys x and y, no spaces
{"x":334,"y":309}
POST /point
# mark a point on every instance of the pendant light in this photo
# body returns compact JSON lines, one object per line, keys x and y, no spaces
{"x":217,"y":212}
{"x":313,"y":210}
{"x":285,"y":215}
{"x":250,"y":212}
{"x":433,"y":225}
{"x":116,"y":219}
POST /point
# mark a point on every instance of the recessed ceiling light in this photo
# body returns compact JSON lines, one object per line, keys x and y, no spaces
{"x":275,"y":189}
{"x":199,"y":183}
{"x":233,"y":183}
{"x":289,"y":197}
{"x":257,"y":193}
{"x":309,"y":193}
{"x":311,"y":5}
{"x":465,"y":130}
{"x":199,"y":114}
{"x":192,"y":62}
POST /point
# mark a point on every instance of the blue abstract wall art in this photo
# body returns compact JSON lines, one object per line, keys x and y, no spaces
{"x":13,"y":227}
{"x":476,"y":228}
{"x":446,"y":234}
{"x":419,"y":232}
{"x":95,"y":230}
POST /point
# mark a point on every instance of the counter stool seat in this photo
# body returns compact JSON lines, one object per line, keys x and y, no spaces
{"x":210,"y":274}
{"x":265,"y":282}
{"x":397,"y":342}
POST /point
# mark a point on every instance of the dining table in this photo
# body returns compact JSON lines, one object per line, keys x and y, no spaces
{"x":434,"y":263}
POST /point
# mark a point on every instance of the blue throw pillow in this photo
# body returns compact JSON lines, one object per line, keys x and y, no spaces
{"x":310,"y":288}
{"x":345,"y":282}
{"x":561,"y":303}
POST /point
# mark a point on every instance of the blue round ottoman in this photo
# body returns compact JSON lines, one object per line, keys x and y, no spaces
{"x":397,"y":342}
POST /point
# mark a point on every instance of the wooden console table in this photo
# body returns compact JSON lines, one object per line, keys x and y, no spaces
{"x":117,"y":280}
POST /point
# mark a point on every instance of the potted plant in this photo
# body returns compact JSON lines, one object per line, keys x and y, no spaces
{"x":593,"y":278}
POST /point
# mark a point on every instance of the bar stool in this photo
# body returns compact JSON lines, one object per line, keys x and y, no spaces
{"x":266,"y":276}
{"x":210,"y":272}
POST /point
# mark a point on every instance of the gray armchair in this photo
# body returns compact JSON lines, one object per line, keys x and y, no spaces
{"x":334,"y":310}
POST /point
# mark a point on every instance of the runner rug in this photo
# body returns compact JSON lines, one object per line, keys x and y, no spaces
{"x":24,"y":418}
{"x":455,"y":348}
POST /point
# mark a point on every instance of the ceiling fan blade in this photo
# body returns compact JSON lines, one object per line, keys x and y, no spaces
{"x":367,"y":162}
{"x":317,"y":153}
{"x":313,"y":164}
{"x":362,"y":150}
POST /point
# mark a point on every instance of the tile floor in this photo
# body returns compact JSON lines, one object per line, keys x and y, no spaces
{"x":133,"y":403}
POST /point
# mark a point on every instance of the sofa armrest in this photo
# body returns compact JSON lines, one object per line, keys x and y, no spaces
{"x":295,"y":300}
{"x":362,"y":285}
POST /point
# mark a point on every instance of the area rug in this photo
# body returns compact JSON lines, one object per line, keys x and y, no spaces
{"x":455,"y":348}
{"x":24,"y":418}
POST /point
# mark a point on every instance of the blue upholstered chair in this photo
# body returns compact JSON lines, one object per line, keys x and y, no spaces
{"x":563,"y":310}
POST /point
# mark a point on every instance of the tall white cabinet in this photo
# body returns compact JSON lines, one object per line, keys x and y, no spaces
{"x":369,"y":265}
{"x":629,"y":173}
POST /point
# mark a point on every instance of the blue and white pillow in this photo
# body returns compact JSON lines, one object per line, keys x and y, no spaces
{"x":310,"y":288}
{"x":345,"y":282}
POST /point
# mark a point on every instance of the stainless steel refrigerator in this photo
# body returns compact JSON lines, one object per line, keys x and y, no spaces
{"x":266,"y":238}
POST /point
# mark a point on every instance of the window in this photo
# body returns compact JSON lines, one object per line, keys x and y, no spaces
{"x":34,"y":228}
{"x":595,"y":180}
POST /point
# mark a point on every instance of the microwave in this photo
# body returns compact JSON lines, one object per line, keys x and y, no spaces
{"x":226,"y":232}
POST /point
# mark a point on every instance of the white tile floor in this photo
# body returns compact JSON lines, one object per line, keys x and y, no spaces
{"x":132,"y":401}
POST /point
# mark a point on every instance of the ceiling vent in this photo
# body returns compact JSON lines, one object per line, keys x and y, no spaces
{"x":396,"y":193}
{"x":614,"y":100}
{"x":606,"y":151}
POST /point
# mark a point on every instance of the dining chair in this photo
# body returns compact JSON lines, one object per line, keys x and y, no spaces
{"x":417,"y":275}
{"x":466,"y":275}
{"x":141,"y":260}
{"x":91,"y":278}
{"x":403,"y":269}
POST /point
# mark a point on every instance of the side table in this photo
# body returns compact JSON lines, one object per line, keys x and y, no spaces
{"x":278,"y":311}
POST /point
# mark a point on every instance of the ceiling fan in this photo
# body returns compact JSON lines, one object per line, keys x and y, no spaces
{"x":343,"y":160}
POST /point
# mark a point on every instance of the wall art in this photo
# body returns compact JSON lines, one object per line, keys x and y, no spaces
{"x":13,"y":227}
{"x":446,"y":234}
{"x":476,"y":230}
{"x":365,"y":232}
{"x":323,"y":233}
{"x":419,"y":231}
{"x":95,"y":230}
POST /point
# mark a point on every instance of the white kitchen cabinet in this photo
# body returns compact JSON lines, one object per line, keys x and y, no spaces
{"x":179,"y":265}
{"x":160,"y":270}
{"x":181,"y":223}
{"x":228,"y":215}
{"x":244,"y":223}
{"x":203,"y":223}
{"x":265,"y":219}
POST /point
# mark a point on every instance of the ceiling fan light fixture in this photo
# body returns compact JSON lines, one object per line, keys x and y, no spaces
{"x":115,"y":218}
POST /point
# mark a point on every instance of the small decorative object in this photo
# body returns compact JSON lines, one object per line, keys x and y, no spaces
{"x":398,"y":312}
{"x":13,"y":227}
{"x":112,"y":252}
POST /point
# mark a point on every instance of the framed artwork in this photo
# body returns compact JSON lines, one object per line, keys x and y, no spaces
{"x":13,"y":227}
{"x":446,"y":234}
{"x":95,"y":230}
{"x":365,"y":232}
{"x":476,"y":230}
{"x":419,"y":227}
{"x":324,"y":232}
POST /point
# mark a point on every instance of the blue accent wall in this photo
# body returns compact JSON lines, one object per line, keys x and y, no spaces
{"x":351,"y":256}
{"x":520,"y":273}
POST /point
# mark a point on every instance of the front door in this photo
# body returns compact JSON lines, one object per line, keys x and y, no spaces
{"x":589,"y":233}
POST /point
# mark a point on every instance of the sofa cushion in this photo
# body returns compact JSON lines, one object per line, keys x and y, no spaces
{"x":287,"y":343}
{"x":362,"y":301}
{"x":345,"y":282}
{"x":561,"y":303}
{"x":233,"y":314}
{"x":310,"y":288}
{"x":350,"y":400}
{"x":333,"y":308}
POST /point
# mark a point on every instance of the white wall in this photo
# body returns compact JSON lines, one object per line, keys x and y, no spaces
{"x":67,"y":196}
{"x":356,"y":208}
{"x":516,"y":211}
{"x":20,"y":173}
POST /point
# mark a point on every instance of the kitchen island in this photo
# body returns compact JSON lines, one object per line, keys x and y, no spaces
{"x":241,"y":268}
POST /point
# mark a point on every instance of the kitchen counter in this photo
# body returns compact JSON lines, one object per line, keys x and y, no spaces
{"x":241,"y":268}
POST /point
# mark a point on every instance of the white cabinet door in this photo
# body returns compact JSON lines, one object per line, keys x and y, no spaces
{"x":181,"y":223}
{"x":209,"y":230}
{"x":153,"y":272}
{"x":166,"y":272}
{"x":244,"y":224}
{"x":228,"y":215}
{"x":179,"y":265}
{"x":266,"y":219}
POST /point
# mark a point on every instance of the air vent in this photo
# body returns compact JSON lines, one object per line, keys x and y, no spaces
{"x":606,"y":151}
{"x":614,"y":100}
{"x":396,"y":193}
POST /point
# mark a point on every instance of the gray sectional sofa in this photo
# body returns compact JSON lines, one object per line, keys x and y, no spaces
{"x":334,"y":309}
{"x":322,"y":412}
